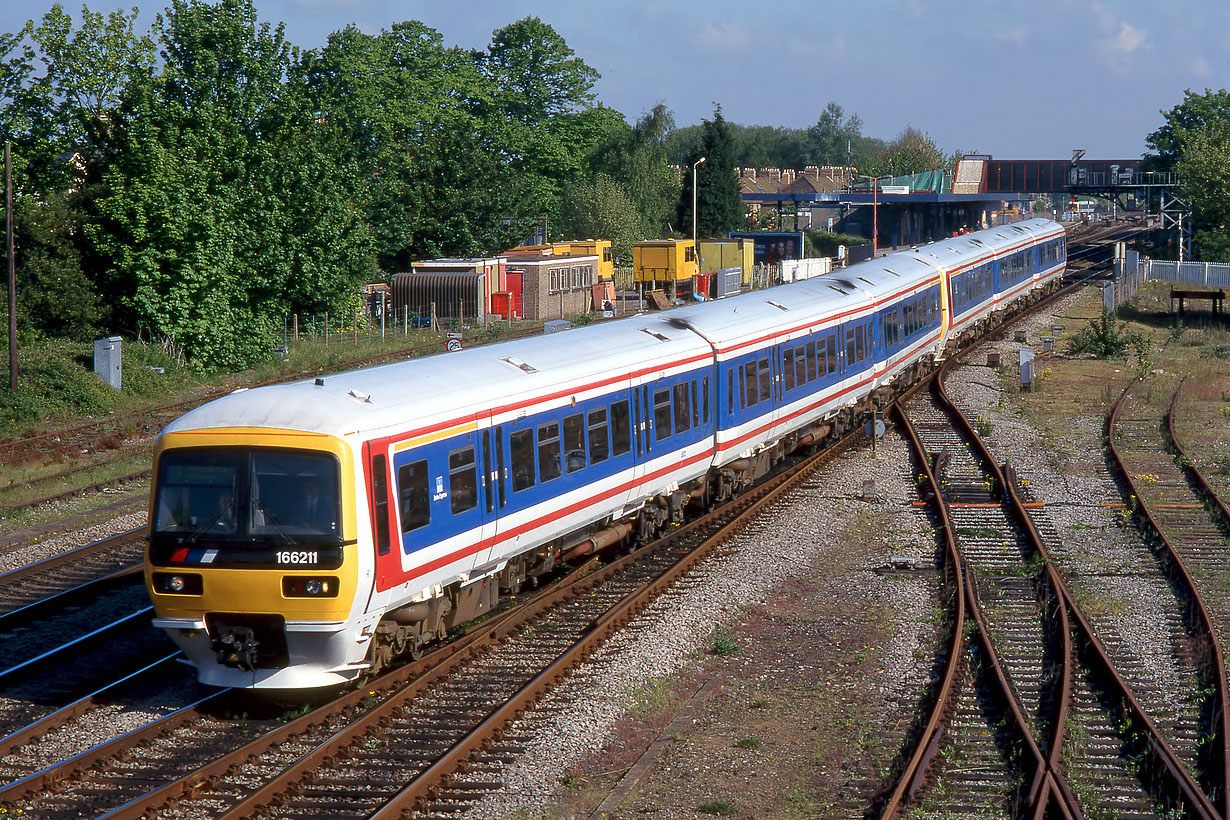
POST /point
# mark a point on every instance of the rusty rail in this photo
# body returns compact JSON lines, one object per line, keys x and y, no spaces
{"x":1204,"y":621}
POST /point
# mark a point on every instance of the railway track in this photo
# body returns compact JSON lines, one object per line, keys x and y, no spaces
{"x":1116,"y":755}
{"x":57,"y":581}
{"x":1188,"y":528}
{"x":432,"y":716}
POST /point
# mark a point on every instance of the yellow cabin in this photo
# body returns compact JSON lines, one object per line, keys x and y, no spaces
{"x":601,"y":248}
{"x":662,"y":261}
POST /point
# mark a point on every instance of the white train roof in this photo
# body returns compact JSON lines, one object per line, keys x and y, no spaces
{"x":446,"y":385}
{"x":736,"y":320}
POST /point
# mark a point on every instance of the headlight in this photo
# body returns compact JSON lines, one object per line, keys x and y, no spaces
{"x":297,"y":586}
{"x":177,"y":583}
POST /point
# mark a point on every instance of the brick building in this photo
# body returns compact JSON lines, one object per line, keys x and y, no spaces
{"x":553,"y":287}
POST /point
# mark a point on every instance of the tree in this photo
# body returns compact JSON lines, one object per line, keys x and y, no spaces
{"x":719,"y":201}
{"x":1186,"y":118}
{"x":637,"y":159}
{"x":537,"y":74}
{"x":601,"y":207}
{"x":1204,"y":170}
{"x":225,"y":207}
{"x":1195,"y":141}
{"x":830,"y":141}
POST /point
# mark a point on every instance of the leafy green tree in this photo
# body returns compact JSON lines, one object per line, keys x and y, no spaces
{"x":637,"y":159}
{"x":543,"y":93}
{"x":602,"y":207}
{"x":831,"y":140}
{"x":1195,"y":141}
{"x":719,"y":201}
{"x":537,"y":74}
{"x":1195,"y":112}
{"x":57,"y":298}
{"x":225,"y":208}
{"x":1204,"y":170}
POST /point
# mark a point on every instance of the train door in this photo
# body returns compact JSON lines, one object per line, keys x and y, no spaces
{"x":488,"y":490}
{"x":382,"y":513}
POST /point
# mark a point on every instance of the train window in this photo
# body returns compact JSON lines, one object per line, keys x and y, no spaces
{"x":704,"y":388}
{"x":766,"y":380}
{"x":860,"y":341}
{"x":749,"y":384}
{"x":412,"y":496}
{"x":811,"y":361}
{"x":695,"y":406}
{"x":599,"y":449}
{"x":647,"y":420}
{"x":548,"y":451}
{"x":683,"y":408}
{"x":730,"y":391}
{"x":850,"y":349}
{"x":574,"y":442}
{"x":621,"y":428}
{"x":831,"y":346}
{"x":462,"y":480}
{"x":788,"y":367}
{"x":380,"y":502}
{"x":521,"y":448}
{"x":662,"y":413}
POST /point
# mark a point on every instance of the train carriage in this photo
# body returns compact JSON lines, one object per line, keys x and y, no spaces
{"x":301,"y":534}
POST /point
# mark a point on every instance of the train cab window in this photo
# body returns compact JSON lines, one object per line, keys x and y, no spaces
{"x":751,"y":398}
{"x":599,"y":447}
{"x":766,"y":380}
{"x":662,"y":413}
{"x":683,"y":408}
{"x":704,"y":389}
{"x":621,"y":429}
{"x":574,"y":442}
{"x":521,"y":450}
{"x":788,"y":367}
{"x":413,"y":498}
{"x":462,"y":480}
{"x":549,"y":467}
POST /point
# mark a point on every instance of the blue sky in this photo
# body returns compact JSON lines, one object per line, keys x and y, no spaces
{"x":1013,"y":79}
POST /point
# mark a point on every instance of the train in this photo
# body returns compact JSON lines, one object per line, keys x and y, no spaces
{"x":303,"y":535}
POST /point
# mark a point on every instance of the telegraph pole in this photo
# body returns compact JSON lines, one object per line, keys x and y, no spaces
{"x":8,"y":231}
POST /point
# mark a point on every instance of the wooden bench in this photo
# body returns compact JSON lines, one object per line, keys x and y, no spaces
{"x":1214,"y":296}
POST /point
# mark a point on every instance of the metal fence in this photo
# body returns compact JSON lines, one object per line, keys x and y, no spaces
{"x":1216,"y":274}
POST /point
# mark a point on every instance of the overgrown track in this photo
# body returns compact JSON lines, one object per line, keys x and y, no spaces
{"x":1120,"y":749}
{"x":1015,"y":656}
{"x":1173,"y":504}
{"x":398,"y":740}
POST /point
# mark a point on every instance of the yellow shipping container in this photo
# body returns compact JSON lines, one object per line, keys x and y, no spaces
{"x":719,"y":254}
{"x":662,"y":261}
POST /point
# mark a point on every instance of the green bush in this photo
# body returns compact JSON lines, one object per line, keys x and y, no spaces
{"x":1105,"y":338}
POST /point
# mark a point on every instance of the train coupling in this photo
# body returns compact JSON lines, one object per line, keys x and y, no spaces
{"x":237,"y":647}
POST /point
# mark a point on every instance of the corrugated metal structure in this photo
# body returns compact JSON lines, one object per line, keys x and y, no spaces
{"x":457,"y":295}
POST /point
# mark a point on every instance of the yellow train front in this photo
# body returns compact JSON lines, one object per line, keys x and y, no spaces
{"x":253,"y":559}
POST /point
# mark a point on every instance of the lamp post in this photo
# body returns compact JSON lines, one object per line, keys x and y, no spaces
{"x":695,"y":248}
{"x":875,"y":212}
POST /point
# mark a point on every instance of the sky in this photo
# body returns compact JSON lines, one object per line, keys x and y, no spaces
{"x":1017,"y":80}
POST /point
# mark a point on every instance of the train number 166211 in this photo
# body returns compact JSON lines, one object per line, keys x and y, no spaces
{"x":292,"y":557}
